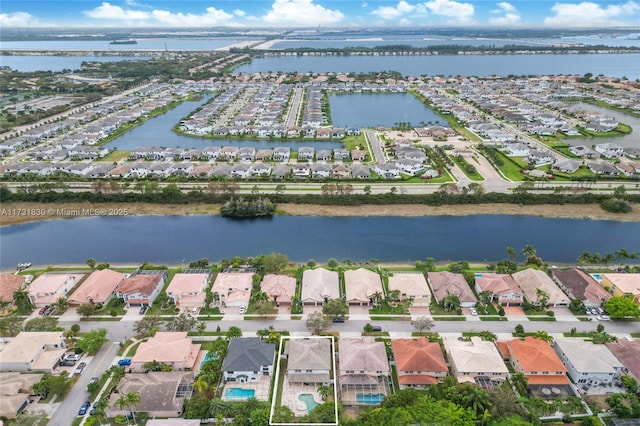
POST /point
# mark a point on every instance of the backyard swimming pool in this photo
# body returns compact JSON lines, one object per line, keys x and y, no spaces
{"x":307,"y":398}
{"x":369,"y":398}
{"x":208,"y":357}
{"x":239,"y":393}
{"x":597,"y":277}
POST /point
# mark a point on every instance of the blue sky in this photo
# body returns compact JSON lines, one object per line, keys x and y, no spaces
{"x":319,"y":13}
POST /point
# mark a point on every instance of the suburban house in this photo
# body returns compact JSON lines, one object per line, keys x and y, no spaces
{"x":162,"y":394}
{"x":364,"y":368}
{"x":502,"y":287}
{"x":33,"y":351}
{"x":628,"y":353}
{"x":9,"y":284}
{"x":48,"y":288}
{"x":531,"y":280}
{"x":15,"y":389}
{"x":581,"y":286}
{"x":476,"y":361}
{"x":319,"y":285}
{"x":279,"y":288}
{"x":248,"y":359}
{"x":141,"y":288}
{"x":360,"y":285}
{"x":588,"y":364}
{"x":99,"y":287}
{"x":419,"y":363}
{"x":174,"y":348}
{"x":411,"y":286}
{"x":623,"y":285}
{"x":233,"y":288}
{"x":536,"y":360}
{"x":446,"y":284}
{"x":188,"y":290}
{"x":309,"y":360}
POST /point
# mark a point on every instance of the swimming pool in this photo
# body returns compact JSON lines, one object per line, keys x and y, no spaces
{"x":210,"y":356}
{"x":597,"y":277}
{"x":307,"y":398}
{"x":477,"y":275}
{"x":239,"y":393}
{"x":369,"y":398}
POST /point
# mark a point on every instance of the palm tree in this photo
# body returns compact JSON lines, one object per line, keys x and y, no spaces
{"x":324,"y":392}
{"x":200,"y":385}
{"x":520,"y":382}
{"x":511,"y":253}
{"x":543,"y":335}
{"x":101,"y":407}
{"x":477,"y":398}
{"x":91,"y":263}
{"x":61,"y":305}
{"x":129,"y":400}
{"x":21,"y":300}
{"x":485,"y":418}
{"x":218,"y":406}
{"x":529,"y":251}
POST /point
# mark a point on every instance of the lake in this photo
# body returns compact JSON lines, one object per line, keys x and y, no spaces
{"x":373,"y":110}
{"x":149,"y":44}
{"x":611,"y":65}
{"x":180,"y":239}
{"x":26,"y":63}
{"x":632,"y":140}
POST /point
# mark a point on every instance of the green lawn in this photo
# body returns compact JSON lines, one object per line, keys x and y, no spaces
{"x":463,"y":166}
{"x":493,"y":318}
{"x":451,"y":318}
{"x":115,"y":156}
{"x":541,"y":318}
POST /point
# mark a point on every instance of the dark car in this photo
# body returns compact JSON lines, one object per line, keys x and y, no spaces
{"x":67,"y":363}
{"x":83,"y":409}
{"x":143,"y":309}
{"x":338,"y":319}
{"x":376,"y":328}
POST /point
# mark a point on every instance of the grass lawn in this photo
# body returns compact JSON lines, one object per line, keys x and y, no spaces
{"x":100,"y":319}
{"x":511,"y":167}
{"x":386,"y":308}
{"x":389,"y":318}
{"x":115,"y":156}
{"x":463,"y":166}
{"x":545,"y":318}
{"x":456,"y":318}
{"x":493,"y":318}
{"x":636,"y":335}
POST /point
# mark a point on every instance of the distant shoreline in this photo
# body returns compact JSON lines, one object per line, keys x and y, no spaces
{"x":22,"y":212}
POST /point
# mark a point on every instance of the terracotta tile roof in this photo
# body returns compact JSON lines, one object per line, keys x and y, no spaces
{"x":143,"y":284}
{"x":360,"y":284}
{"x":97,"y":288}
{"x":362,"y":354}
{"x":418,"y":355}
{"x":281,"y":287}
{"x":498,"y":284}
{"x":535,"y":355}
{"x":168,"y":347}
{"x":9,"y":284}
{"x":547,"y":380}
{"x":417,"y":379}
{"x":446,"y":283}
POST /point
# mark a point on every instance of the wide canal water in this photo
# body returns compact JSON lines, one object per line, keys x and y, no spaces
{"x":180,"y":239}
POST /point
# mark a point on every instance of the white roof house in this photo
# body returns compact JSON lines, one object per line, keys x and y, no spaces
{"x":411,"y":285}
{"x":319,"y":285}
{"x":476,"y":361}
{"x":588,"y":364}
{"x":530,"y":280}
{"x":33,"y":351}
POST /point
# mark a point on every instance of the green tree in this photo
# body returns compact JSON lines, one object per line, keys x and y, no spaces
{"x":324,"y":392}
{"x":274,"y":263}
{"x":87,"y":310}
{"x":265,"y":308}
{"x":335,"y":308}
{"x":21,"y":300}
{"x":511,"y":253}
{"x":182,"y":322}
{"x":332,"y":263}
{"x":128,"y":401}
{"x":234,"y":331}
{"x":41,"y":324}
{"x":543,"y":335}
{"x":318,"y":322}
{"x":91,"y":263}
{"x":450,"y":302}
{"x":422,"y":323}
{"x":11,"y":325}
{"x":622,"y":307}
{"x":92,"y":340}
{"x":60,"y":305}
{"x":147,"y":325}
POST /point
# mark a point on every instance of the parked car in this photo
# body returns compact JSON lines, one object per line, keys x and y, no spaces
{"x":243,"y":309}
{"x":43,"y":310}
{"x":92,"y":381}
{"x":67,"y":363}
{"x":80,"y":368}
{"x":143,"y":309}
{"x":338,"y":319}
{"x":599,"y":310}
{"x":376,"y":328}
{"x":603,"y":318}
{"x":73,"y":357}
{"x":473,"y":311}
{"x":194,"y":311}
{"x":83,"y":409}
{"x":124,"y":362}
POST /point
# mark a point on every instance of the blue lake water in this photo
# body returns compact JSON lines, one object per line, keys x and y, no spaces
{"x":611,"y":65}
{"x":372,"y":110}
{"x":179,"y":239}
{"x":58,"y":63}
{"x":149,"y":44}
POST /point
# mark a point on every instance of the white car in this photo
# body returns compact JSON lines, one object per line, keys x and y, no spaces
{"x":603,"y":318}
{"x":473,"y":311}
{"x":73,"y":357}
{"x":243,"y":309}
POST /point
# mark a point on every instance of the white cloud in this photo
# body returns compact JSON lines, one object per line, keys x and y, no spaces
{"x":239,"y":12}
{"x":589,"y":14}
{"x":116,"y":14}
{"x":460,"y":12}
{"x":510,"y":16}
{"x":301,"y":12}
{"x":18,"y":19}
{"x":393,"y":12}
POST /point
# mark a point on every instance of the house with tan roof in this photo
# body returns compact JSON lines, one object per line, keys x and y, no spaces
{"x":476,"y":361}
{"x":309,"y":360}
{"x":628,"y":353}
{"x":141,"y":288}
{"x":99,"y":287}
{"x":167,"y":347}
{"x":411,"y":286}
{"x":319,"y":285}
{"x":530,"y":280}
{"x":581,"y":286}
{"x":48,"y":288}
{"x":363,"y":368}
{"x":360,"y":285}
{"x":188,"y":290}
{"x":502,"y":287}
{"x":279,"y":288}
{"x":419,"y":363}
{"x":15,"y":389}
{"x":162,"y":394}
{"x":233,"y":288}
{"x":536,"y":360}
{"x":33,"y":351}
{"x":447,"y":283}
{"x":588,"y":364}
{"x":9,"y":284}
{"x":623,"y":285}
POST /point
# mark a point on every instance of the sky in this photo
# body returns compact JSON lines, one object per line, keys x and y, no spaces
{"x":319,"y":13}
